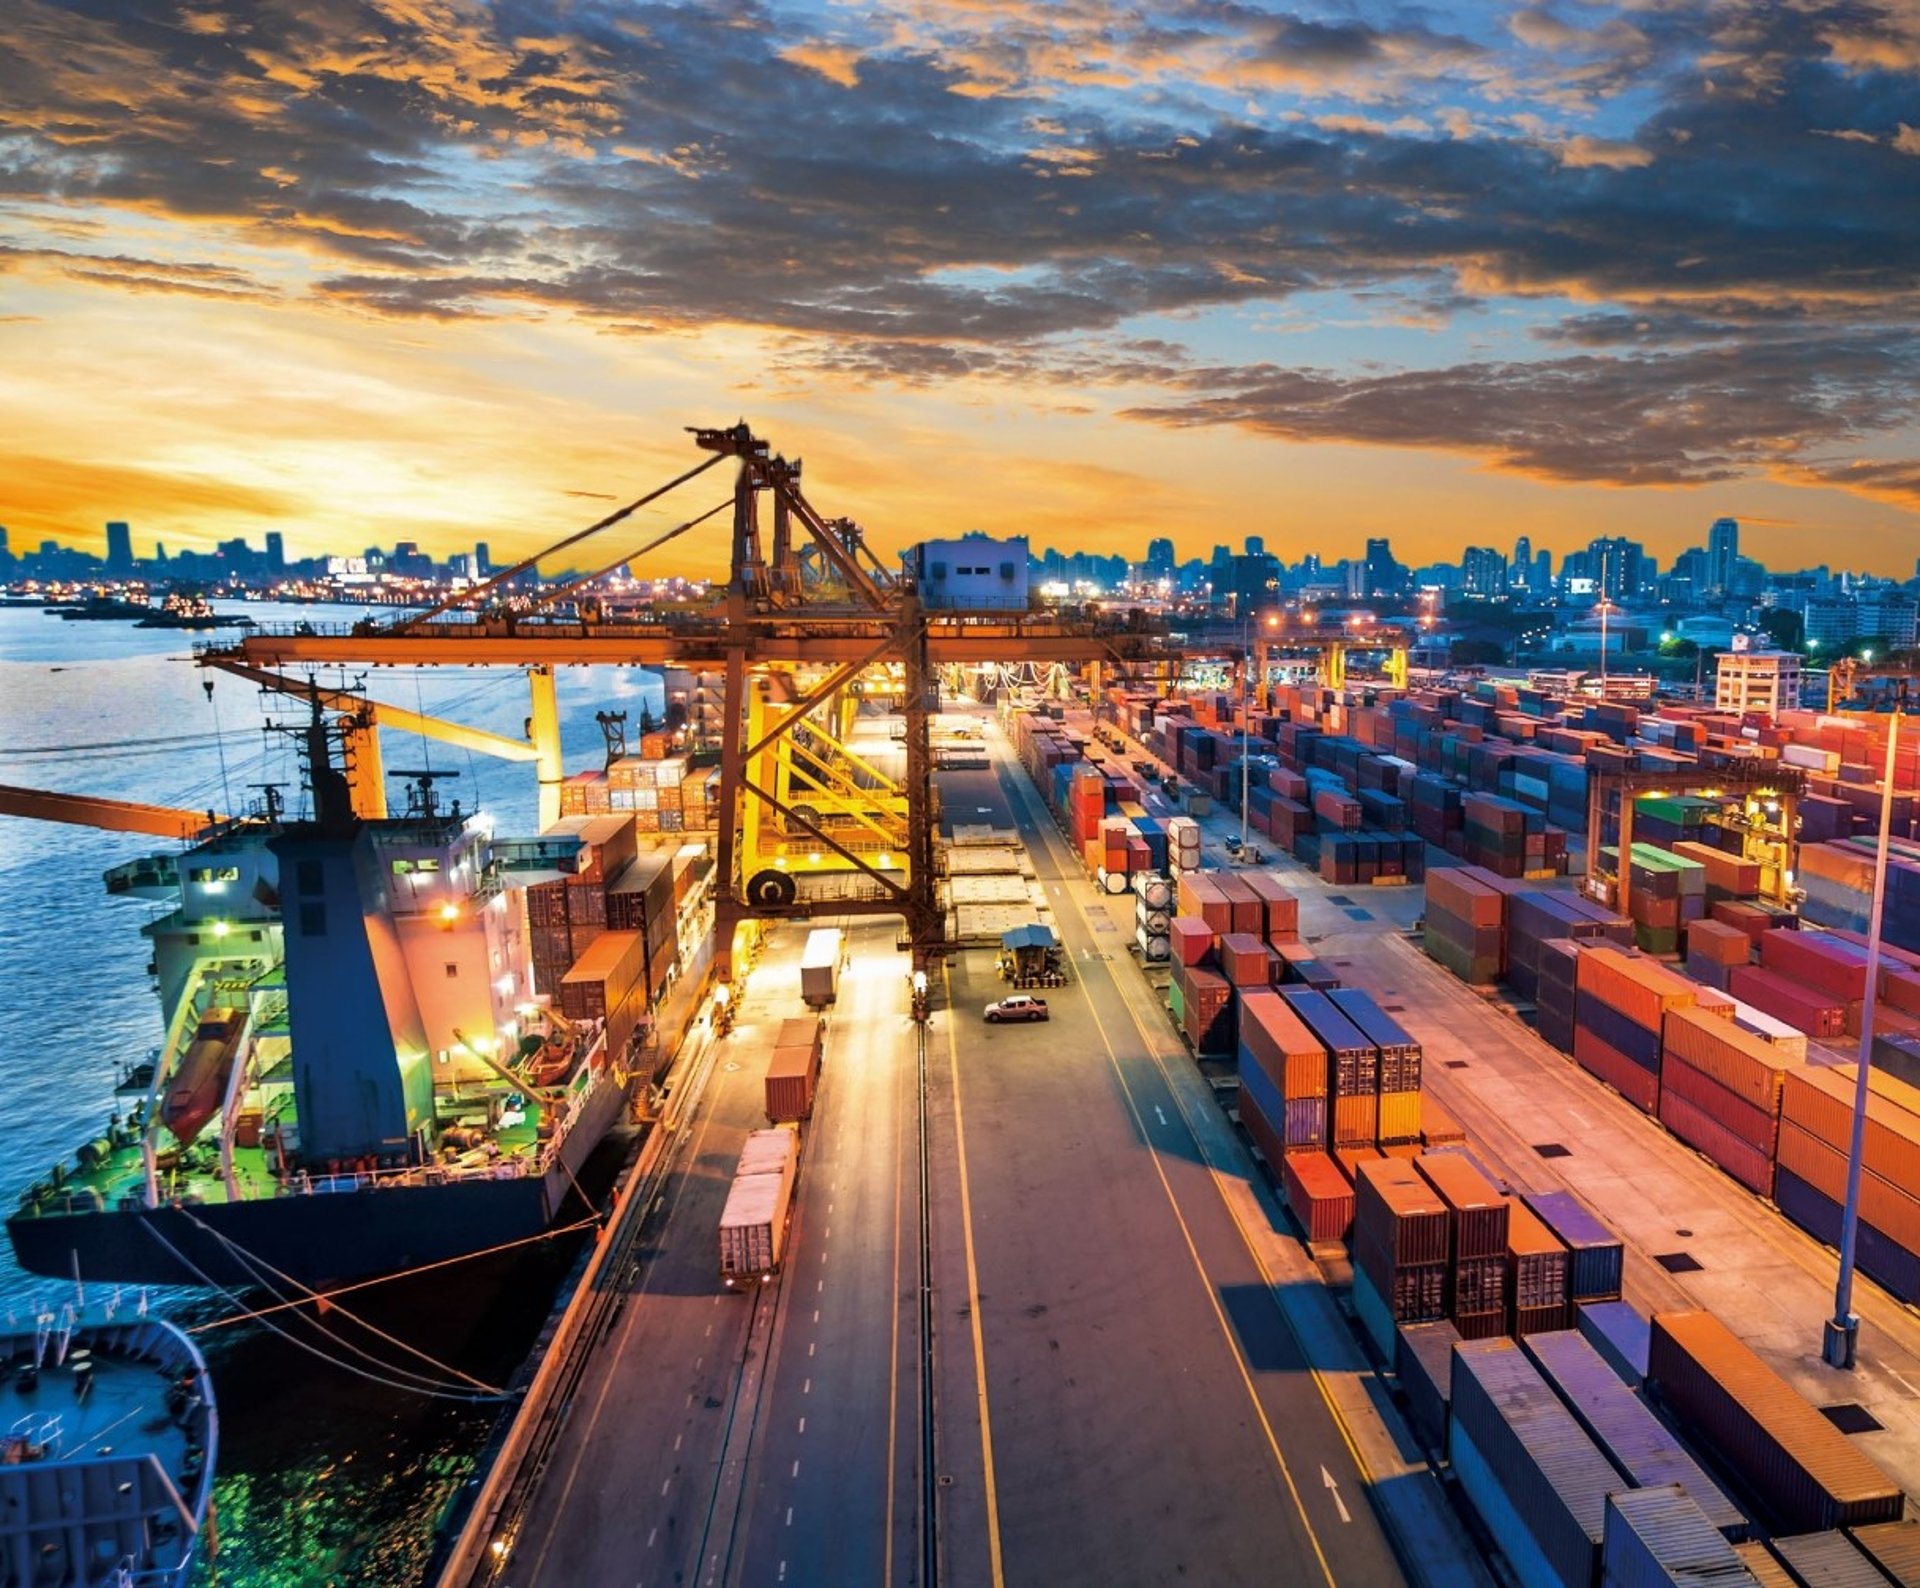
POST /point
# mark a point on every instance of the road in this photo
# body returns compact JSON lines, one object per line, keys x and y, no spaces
{"x":1149,"y":1414}
{"x":721,"y":1439}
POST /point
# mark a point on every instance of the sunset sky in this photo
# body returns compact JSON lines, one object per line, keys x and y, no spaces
{"x":363,"y":270}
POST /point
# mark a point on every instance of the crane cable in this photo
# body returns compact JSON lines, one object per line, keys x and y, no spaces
{"x":303,"y":1345}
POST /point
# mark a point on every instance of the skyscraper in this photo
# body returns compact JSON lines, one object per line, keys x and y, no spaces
{"x":1723,"y":551}
{"x":1383,"y":575}
{"x":119,"y":548}
{"x":1484,"y":571}
{"x":1160,"y":559}
{"x":1523,"y":561}
{"x":1256,"y":545}
{"x":276,"y":549}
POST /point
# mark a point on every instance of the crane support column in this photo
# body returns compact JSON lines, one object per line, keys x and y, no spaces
{"x":543,"y":728}
{"x":728,"y":909}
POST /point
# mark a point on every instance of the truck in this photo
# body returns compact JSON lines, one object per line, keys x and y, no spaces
{"x":820,"y":967}
{"x":753,"y":1225}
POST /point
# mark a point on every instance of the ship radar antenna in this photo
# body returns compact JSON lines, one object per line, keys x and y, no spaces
{"x":422,"y":801}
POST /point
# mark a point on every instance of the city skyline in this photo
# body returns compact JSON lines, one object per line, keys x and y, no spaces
{"x":1089,"y":274}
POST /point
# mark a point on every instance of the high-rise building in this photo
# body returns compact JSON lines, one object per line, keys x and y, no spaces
{"x":1160,"y":559}
{"x":1522,"y":562}
{"x":1723,"y":551}
{"x":1542,"y":572}
{"x":276,"y":549}
{"x":482,"y":559}
{"x":1617,"y":567}
{"x":1256,"y":545}
{"x":119,"y":548}
{"x":1384,"y":576}
{"x":1483,"y":571}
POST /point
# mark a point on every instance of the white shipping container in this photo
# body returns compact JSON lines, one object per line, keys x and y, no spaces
{"x":1789,"y":1039}
{"x":1810,"y":757}
{"x":820,"y":966}
{"x":1660,"y":1538}
{"x":753,"y":1225}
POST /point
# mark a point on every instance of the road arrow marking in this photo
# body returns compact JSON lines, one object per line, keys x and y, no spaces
{"x":1326,"y":1477}
{"x":1157,"y":1114}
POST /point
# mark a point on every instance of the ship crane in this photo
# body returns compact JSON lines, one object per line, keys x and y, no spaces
{"x":808,"y":624}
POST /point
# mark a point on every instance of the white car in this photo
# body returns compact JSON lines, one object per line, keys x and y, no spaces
{"x":1021,"y":1006}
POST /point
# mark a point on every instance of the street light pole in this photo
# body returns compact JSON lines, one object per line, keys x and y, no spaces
{"x":1246,"y":719}
{"x":1842,"y":1333}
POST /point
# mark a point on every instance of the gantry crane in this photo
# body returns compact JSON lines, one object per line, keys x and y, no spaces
{"x":808,"y":625}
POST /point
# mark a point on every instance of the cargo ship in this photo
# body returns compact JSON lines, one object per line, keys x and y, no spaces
{"x":106,"y":1466}
{"x":372,"y":1061}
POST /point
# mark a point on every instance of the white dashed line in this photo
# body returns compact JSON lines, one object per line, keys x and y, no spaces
{"x":807,"y":1387}
{"x":810,"y":1345}
{"x":676,"y":1440}
{"x":665,"y":1484}
{"x":789,"y":1516}
{"x":796,"y":1466}
{"x":803,"y":1425}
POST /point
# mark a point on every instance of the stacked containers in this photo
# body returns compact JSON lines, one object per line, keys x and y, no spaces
{"x":1400,"y":1065}
{"x":1246,"y":910}
{"x":1465,"y":926}
{"x":1810,"y":1179}
{"x":1828,"y":965}
{"x":1283,"y":1078}
{"x":1199,"y":895}
{"x":1282,"y":907}
{"x":1537,"y":1278}
{"x":1203,"y":1004}
{"x":1806,"y":1473}
{"x":1189,"y":939}
{"x":1353,"y":1074}
{"x":1631,"y":1437}
{"x":1618,"y":1008}
{"x":1477,"y":1243}
{"x":1813,"y":1012}
{"x":1556,"y":991}
{"x":1400,"y":1241}
{"x":1183,"y":843}
{"x":1153,"y":917}
{"x":1538,"y":1482}
{"x":1594,"y":1252}
{"x":1245,"y":960}
{"x":1620,"y":1334}
{"x":1714,"y":949}
{"x":1720,"y":1092}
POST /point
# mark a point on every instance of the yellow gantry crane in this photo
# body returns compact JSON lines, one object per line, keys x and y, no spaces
{"x":808,"y":627}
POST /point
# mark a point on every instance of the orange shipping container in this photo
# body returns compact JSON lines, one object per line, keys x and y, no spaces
{"x":1641,"y":989}
{"x":1728,"y":873}
{"x":1400,"y":1117}
{"x":1882,"y":1204}
{"x":1289,"y":1055}
{"x":1356,"y":1121}
{"x":1746,"y":1065}
{"x":1821,"y":1102}
{"x":1718,"y":943}
{"x":1465,"y":898}
{"x":1200,"y":895}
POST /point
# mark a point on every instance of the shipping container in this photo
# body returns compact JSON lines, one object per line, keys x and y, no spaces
{"x":1423,"y":1361}
{"x":1765,"y":1565}
{"x":1318,"y":1195}
{"x":1537,"y":1481}
{"x":1477,"y":1210}
{"x":1895,"y":1548}
{"x":1274,"y":1039}
{"x":1594,"y":1255}
{"x":792,"y":1076}
{"x":1400,"y":1056}
{"x":1399,"y":1212}
{"x":1747,"y":1065}
{"x":1658,"y":1537}
{"x":1354,"y":1062}
{"x":820,"y":967}
{"x":1828,"y":1560}
{"x":753,"y":1224}
{"x":1620,"y":1333}
{"x":1801,"y":1468}
{"x":1645,"y":1450}
{"x":1536,"y":1274}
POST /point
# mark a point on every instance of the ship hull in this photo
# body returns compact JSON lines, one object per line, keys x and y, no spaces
{"x":319,"y":1239}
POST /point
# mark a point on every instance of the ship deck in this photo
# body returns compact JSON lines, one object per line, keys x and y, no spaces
{"x":125,"y":1409}
{"x":198,"y":1178}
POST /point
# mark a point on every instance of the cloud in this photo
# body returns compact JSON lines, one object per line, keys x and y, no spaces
{"x":1582,"y":151}
{"x":1792,"y":406}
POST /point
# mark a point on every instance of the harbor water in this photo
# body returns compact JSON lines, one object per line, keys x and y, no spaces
{"x":327,"y":1475}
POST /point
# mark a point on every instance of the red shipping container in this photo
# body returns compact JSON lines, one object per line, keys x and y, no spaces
{"x":1318,"y":1195}
{"x":1801,"y":1007}
{"x":1278,"y":1041}
{"x":1816,"y":962}
{"x":1712,"y":1134}
{"x":1245,"y":960}
{"x":1248,"y":911}
{"x":1900,"y":989}
{"x":1199,"y":894}
{"x":1639,"y":1087}
{"x":1190,"y":938}
{"x":1400,"y":1214}
{"x":1752,"y":920}
{"x":1478,"y":1210}
{"x":792,"y":1076}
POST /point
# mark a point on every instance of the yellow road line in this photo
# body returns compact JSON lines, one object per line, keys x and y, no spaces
{"x":995,"y":1567}
{"x":1212,"y":1294}
{"x":1193,"y":1250}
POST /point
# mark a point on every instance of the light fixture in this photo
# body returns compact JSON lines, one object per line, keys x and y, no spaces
{"x":221,"y":928}
{"x":449,"y":914}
